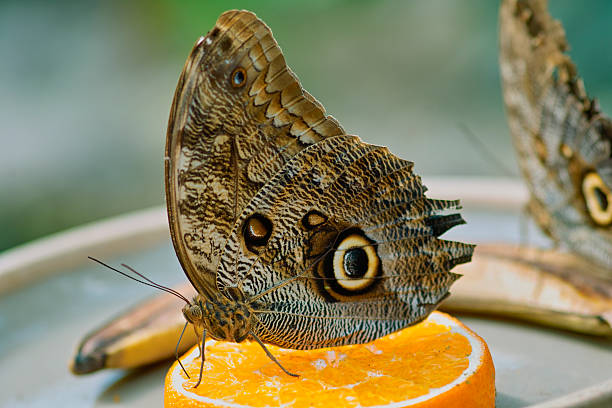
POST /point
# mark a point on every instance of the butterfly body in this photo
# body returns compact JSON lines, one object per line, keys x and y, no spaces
{"x":222,"y":318}
{"x":293,"y":232}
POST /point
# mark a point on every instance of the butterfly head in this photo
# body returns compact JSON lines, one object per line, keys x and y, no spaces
{"x":193,"y":311}
{"x":222,"y":318}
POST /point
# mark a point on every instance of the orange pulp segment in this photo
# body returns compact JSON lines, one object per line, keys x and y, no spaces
{"x":436,"y":363}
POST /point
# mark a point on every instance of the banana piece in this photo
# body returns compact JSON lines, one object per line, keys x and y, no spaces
{"x":546,"y":287}
{"x":541,"y":286}
{"x":142,"y":335}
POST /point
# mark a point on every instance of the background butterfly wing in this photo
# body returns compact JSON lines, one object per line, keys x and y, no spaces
{"x":563,"y":141}
{"x":340,"y":247}
{"x":238,"y":115}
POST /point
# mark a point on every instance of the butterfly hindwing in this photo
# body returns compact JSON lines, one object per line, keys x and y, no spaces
{"x":340,"y":247}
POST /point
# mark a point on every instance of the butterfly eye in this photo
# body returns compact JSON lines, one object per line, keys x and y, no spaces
{"x":598,"y":199}
{"x":256,"y":231}
{"x":192,"y":313}
{"x":238,"y":77}
{"x":352,"y":268}
{"x":187,"y":316}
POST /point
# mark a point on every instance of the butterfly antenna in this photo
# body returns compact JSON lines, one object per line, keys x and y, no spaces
{"x":170,"y":290}
{"x":146,"y":280}
{"x":484,"y":150}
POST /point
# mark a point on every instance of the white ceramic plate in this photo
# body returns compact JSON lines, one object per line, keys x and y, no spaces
{"x":50,"y":296}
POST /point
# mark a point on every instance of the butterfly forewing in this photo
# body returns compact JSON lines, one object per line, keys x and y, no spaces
{"x":238,"y":115}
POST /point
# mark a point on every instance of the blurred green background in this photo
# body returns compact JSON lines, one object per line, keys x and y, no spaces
{"x":86,"y":87}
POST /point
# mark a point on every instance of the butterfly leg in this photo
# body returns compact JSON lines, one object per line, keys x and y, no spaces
{"x":176,"y":356}
{"x":201,"y":355}
{"x":195,"y":329}
{"x":271,"y":356}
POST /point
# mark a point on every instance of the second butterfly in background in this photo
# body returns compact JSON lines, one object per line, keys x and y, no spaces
{"x":563,"y":140}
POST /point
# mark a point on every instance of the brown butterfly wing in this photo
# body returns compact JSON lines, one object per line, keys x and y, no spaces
{"x":564,"y":142}
{"x":238,"y":115}
{"x":348,"y":249}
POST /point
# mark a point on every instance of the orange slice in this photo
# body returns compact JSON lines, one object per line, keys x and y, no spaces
{"x":437,"y":363}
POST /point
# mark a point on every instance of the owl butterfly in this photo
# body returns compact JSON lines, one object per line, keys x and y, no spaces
{"x":292,"y":232}
{"x":564,"y":142}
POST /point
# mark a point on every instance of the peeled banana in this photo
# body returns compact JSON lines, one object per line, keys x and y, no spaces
{"x":546,"y":287}
{"x":144,"y":334}
{"x":542,"y":286}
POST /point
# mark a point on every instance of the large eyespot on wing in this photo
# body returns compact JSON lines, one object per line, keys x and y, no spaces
{"x":563,"y":140}
{"x":351,"y":267}
{"x":238,"y":114}
{"x":598,"y":199}
{"x":354,"y":244}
